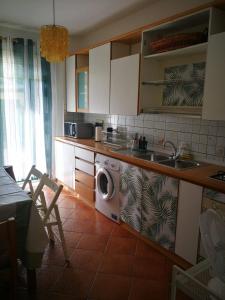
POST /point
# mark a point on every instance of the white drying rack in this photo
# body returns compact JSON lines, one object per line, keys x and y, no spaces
{"x":193,"y":282}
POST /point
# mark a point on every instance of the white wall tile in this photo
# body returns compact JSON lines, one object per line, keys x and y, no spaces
{"x":211,"y":140}
{"x":207,"y":138}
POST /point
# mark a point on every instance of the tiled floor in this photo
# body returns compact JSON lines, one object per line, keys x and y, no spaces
{"x":107,"y":261}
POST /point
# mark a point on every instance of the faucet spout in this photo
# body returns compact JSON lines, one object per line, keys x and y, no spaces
{"x":175,"y":154}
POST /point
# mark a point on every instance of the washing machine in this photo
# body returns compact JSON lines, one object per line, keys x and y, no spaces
{"x":107,"y":183}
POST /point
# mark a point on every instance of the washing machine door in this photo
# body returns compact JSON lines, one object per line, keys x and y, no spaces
{"x":104,"y":184}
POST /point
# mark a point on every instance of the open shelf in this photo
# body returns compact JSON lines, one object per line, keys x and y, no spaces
{"x":194,"y":49}
{"x":171,"y":82}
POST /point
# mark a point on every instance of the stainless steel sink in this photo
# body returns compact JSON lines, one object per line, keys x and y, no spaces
{"x":152,"y":156}
{"x":180,"y":164}
{"x":148,"y":155}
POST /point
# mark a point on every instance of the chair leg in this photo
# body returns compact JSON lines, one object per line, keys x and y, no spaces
{"x":173,"y":285}
{"x":61,"y":234}
{"x":50,"y":234}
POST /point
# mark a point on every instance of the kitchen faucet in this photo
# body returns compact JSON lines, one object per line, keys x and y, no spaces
{"x":175,"y":155}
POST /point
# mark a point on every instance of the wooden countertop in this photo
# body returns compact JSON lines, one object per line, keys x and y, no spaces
{"x":198,"y":175}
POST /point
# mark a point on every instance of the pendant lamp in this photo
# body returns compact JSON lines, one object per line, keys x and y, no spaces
{"x":54,"y":41}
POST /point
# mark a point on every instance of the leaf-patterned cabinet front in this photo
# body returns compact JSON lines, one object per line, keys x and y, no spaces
{"x":149,"y":204}
{"x":131,"y":195}
{"x":159,"y":208}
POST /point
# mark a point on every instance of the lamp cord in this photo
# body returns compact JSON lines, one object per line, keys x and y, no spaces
{"x":53,"y":12}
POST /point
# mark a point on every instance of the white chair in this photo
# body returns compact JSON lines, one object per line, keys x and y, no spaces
{"x":34,"y":173}
{"x":48,"y":210}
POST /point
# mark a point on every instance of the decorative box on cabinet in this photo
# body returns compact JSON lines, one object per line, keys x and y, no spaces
{"x":84,"y":174}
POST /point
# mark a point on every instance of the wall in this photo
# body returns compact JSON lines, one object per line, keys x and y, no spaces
{"x":206,"y":138}
{"x":155,"y":11}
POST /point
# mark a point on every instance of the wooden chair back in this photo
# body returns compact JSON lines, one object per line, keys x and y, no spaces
{"x":49,"y":212}
{"x":34,"y":172}
{"x":47,"y":206}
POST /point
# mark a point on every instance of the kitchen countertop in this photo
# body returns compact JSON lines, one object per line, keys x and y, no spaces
{"x":197,"y":175}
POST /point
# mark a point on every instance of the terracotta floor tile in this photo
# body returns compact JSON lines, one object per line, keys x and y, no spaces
{"x":142,"y":289}
{"x":93,"y":242}
{"x":120,"y":245}
{"x":117,"y":264}
{"x":144,"y":250}
{"x":75,"y":283}
{"x":79,"y":226}
{"x":72,"y":238}
{"x":82,"y":215}
{"x":119,"y":231}
{"x":47,"y":276}
{"x":57,"y":296}
{"x":88,"y":260}
{"x":107,"y":261}
{"x":68,"y":202}
{"x":54,"y":255}
{"x":103,"y":227}
{"x":65,"y":212}
{"x":150,"y":268}
{"x":110,"y":287}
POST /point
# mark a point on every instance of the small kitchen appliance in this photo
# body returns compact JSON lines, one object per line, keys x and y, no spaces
{"x":79,"y":130}
{"x":107,"y":187}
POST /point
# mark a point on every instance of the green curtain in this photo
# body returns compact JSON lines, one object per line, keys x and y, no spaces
{"x":2,"y":114}
{"x":27,"y":103}
{"x":47,"y":107}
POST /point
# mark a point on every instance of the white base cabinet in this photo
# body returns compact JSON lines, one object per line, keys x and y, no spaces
{"x":189,"y":210}
{"x":65,"y":163}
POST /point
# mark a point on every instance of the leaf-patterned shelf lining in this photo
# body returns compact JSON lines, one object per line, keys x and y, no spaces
{"x":184,"y":94}
{"x":172,"y":82}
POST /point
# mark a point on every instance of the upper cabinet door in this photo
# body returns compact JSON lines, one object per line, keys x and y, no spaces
{"x":99,"y":79}
{"x":214,"y":91}
{"x":125,"y":85}
{"x":70,"y":83}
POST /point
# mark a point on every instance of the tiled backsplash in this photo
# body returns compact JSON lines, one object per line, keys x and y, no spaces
{"x":205,"y":138}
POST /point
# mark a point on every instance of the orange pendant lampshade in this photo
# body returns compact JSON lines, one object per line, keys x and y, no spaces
{"x":54,"y":41}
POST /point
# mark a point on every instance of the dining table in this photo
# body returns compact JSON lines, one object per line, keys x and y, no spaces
{"x":30,"y":232}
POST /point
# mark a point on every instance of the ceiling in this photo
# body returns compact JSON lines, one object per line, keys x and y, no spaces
{"x":79,"y":16}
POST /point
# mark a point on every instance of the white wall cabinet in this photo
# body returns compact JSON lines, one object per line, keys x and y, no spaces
{"x":214,"y":90}
{"x":65,"y":163}
{"x":70,"y":84}
{"x":189,"y":210}
{"x":124,"y":85}
{"x":99,"y":79}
